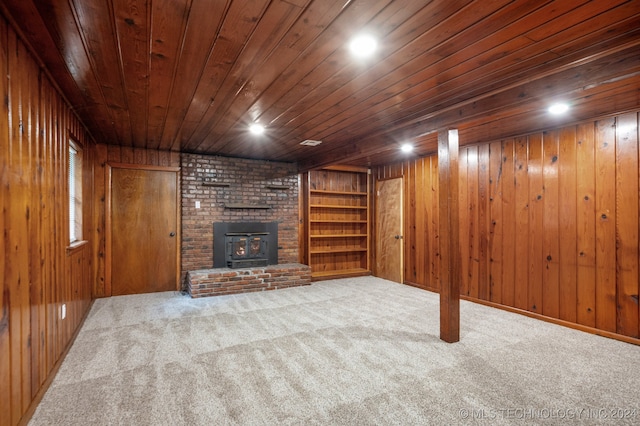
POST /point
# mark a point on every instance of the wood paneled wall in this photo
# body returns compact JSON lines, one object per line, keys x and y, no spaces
{"x":121,"y":155}
{"x":548,"y":223}
{"x":39,"y":272}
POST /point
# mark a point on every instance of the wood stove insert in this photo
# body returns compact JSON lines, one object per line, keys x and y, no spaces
{"x":245,"y":244}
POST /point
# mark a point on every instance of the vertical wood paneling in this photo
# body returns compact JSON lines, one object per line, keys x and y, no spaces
{"x":37,"y":303}
{"x":5,"y":293}
{"x":550,"y":239}
{"x":627,"y":196}
{"x":605,"y":225}
{"x":483,"y":222}
{"x":410,"y":232}
{"x":562,"y":219}
{"x":98,"y":221}
{"x":514,"y":251}
{"x":37,"y":277}
{"x":536,"y":223}
{"x":463,"y":162}
{"x":434,"y":223}
{"x":567,"y":221}
{"x":521,"y":238}
{"x":496,"y":223}
{"x":17,"y":261}
{"x":585,"y":224}
{"x":472,"y":218}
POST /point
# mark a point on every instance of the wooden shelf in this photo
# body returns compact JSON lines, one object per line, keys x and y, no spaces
{"x":341,"y":272}
{"x":326,"y":191}
{"x":334,"y":251}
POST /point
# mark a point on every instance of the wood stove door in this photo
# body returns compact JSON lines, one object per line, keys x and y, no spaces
{"x":143,"y":237}
{"x":389,"y":241}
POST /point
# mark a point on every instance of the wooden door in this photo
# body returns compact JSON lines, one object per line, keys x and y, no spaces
{"x":143,"y":231}
{"x":389,"y":240}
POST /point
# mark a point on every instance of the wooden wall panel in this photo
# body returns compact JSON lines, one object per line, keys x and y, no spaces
{"x":507,"y":242}
{"x":123,"y":155}
{"x":430,"y":175}
{"x":585,"y":224}
{"x":496,"y":225}
{"x":536,"y":223}
{"x":472,"y":219}
{"x":39,"y":273}
{"x":5,"y":342}
{"x":483,"y":222}
{"x":627,"y":197}
{"x":549,"y":223}
{"x":516,"y":224}
{"x":463,"y":205}
{"x":605,"y":166}
{"x":411,"y":232}
{"x":567,"y":225}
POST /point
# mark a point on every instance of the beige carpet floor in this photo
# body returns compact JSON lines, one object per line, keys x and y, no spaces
{"x":360,"y":351}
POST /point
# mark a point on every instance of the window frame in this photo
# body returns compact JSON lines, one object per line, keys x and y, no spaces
{"x":75,"y":191}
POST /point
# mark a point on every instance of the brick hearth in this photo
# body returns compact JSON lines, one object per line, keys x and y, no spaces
{"x":219,"y":281}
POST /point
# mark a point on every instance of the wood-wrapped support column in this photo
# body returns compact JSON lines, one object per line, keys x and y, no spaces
{"x":449,"y":242}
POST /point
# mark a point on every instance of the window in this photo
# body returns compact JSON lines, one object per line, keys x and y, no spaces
{"x":75,"y":192}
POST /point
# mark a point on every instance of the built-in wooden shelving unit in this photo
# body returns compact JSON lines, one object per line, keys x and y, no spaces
{"x":338,"y":222}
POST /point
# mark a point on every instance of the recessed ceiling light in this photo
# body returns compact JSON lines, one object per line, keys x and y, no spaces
{"x":558,"y":108}
{"x":363,"y":45}
{"x":407,"y":147}
{"x":310,"y":142}
{"x":256,"y":129}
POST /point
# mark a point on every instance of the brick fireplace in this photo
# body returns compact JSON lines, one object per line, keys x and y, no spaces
{"x":217,"y":189}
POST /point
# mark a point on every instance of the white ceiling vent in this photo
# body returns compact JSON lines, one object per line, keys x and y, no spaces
{"x":310,"y":142}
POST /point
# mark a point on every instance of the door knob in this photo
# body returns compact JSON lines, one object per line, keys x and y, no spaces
{"x":172,"y":234}
{"x":397,"y":237}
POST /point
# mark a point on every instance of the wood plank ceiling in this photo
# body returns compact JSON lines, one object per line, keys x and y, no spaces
{"x":191,"y":75}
